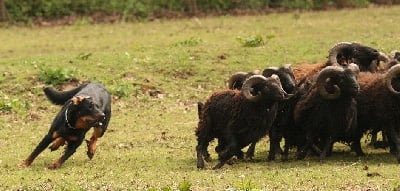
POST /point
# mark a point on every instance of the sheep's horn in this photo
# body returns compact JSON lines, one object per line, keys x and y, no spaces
{"x":248,"y":86}
{"x":326,"y":73}
{"x":392,"y":73}
{"x":354,"y":67}
{"x":270,"y":71}
{"x":236,"y":80}
{"x":334,"y":51}
{"x":383,"y":57}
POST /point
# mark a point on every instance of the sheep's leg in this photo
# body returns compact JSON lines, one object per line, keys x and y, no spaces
{"x":274,"y":145}
{"x":302,"y":153}
{"x":394,"y":135}
{"x":327,"y":147}
{"x":374,"y":138}
{"x":201,"y":148}
{"x":250,"y":150}
{"x":285,"y":153}
{"x":230,"y":150}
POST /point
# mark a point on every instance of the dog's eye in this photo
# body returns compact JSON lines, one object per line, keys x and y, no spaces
{"x":91,"y":105}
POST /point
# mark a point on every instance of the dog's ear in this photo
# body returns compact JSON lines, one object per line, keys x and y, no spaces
{"x":76,"y":100}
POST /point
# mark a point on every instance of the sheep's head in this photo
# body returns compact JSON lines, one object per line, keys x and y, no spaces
{"x":336,"y":81}
{"x":394,"y":59}
{"x":236,"y":80}
{"x":259,"y":88}
{"x":365,"y":57}
{"x":392,"y":79}
{"x":285,"y":75}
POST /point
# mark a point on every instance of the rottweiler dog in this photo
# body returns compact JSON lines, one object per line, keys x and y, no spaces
{"x":84,"y":107}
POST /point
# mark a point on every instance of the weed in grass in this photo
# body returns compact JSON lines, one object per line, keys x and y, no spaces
{"x":8,"y":105}
{"x":192,"y":41}
{"x":251,"y":41}
{"x":55,"y":76}
{"x":84,"y":56}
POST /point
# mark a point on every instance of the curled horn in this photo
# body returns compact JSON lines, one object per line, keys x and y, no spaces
{"x":392,"y":73}
{"x":236,"y":80}
{"x":326,"y":73}
{"x":383,"y":57}
{"x":248,"y":86}
{"x":334,"y":51}
{"x":354,"y":67}
{"x":270,"y":71}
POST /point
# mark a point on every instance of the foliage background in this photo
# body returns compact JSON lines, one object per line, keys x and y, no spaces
{"x":128,"y":10}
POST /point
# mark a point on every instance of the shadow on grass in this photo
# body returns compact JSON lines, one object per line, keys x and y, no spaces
{"x":338,"y":157}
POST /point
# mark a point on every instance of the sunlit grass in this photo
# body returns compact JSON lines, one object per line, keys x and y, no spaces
{"x":150,"y":142}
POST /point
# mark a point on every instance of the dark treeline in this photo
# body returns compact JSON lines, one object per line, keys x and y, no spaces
{"x":131,"y":10}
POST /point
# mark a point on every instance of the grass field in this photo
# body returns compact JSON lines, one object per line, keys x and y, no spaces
{"x":150,"y":144}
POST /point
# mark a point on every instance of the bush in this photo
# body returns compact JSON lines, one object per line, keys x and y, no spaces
{"x":22,"y":10}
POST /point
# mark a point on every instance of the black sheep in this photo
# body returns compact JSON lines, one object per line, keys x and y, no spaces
{"x":327,"y":112}
{"x":238,"y":118}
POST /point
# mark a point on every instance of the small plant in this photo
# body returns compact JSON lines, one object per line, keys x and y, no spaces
{"x":84,"y":56}
{"x":121,"y":90}
{"x":55,"y":76}
{"x":190,"y":42}
{"x":184,"y":186}
{"x":7,"y":105}
{"x":251,"y":41}
{"x":243,"y":185}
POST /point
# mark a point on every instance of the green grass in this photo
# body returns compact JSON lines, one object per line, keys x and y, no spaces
{"x":151,"y":142}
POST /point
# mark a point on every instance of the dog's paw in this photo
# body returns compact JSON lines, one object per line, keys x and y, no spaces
{"x":24,"y":164}
{"x":54,"y":166}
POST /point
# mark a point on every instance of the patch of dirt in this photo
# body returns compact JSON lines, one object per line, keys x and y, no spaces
{"x":70,"y":84}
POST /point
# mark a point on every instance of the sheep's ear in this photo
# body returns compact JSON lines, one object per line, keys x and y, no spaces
{"x":76,"y":100}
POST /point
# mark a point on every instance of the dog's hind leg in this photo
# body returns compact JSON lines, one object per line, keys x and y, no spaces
{"x":71,"y":148}
{"x":42,"y":145}
{"x":97,"y":132}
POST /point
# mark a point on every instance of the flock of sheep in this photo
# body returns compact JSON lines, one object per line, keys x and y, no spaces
{"x":311,"y":106}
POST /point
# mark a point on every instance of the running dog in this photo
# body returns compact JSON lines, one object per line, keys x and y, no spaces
{"x":84,"y":107}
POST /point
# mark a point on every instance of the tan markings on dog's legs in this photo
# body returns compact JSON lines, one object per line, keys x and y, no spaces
{"x":56,"y":164}
{"x":97,"y":132}
{"x":55,"y":135}
{"x":57,"y":143}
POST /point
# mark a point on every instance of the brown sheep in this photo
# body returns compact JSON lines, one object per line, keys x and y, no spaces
{"x":379,"y":104}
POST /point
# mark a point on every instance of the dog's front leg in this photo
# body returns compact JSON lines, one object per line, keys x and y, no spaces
{"x":97,"y":132}
{"x":41,"y":146}
{"x":71,"y":148}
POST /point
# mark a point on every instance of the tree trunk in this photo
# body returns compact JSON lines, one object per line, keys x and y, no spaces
{"x":192,"y":4}
{"x":3,"y":11}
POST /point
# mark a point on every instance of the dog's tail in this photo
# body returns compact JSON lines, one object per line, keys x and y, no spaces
{"x":60,"y":97}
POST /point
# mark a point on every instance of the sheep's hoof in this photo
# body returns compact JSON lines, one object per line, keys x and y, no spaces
{"x":270,"y":158}
{"x":200,"y":164}
{"x":219,"y":165}
{"x":208,"y":158}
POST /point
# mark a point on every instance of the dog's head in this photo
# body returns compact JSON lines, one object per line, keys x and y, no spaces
{"x":88,"y":113}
